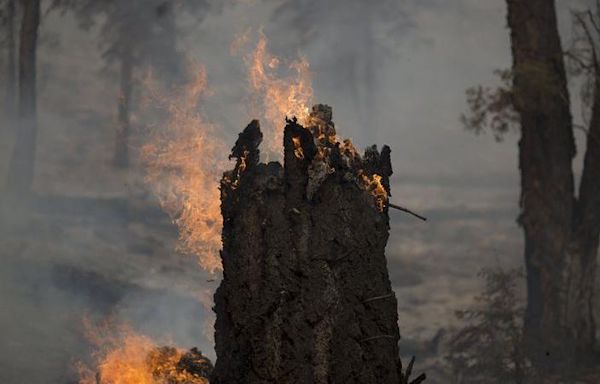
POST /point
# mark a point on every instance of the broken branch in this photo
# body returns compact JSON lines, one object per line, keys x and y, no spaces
{"x":400,"y":208}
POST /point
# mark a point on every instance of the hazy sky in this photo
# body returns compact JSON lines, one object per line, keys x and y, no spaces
{"x":466,"y":184}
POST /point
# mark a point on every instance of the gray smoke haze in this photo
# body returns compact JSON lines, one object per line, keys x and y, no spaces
{"x":395,"y":73}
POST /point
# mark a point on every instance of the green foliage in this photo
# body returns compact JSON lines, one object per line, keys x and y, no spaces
{"x":491,"y":108}
{"x":489,"y":347}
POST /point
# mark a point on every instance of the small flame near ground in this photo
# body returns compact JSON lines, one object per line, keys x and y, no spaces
{"x":119,"y":359}
{"x":123,"y":356}
{"x":184,"y":164}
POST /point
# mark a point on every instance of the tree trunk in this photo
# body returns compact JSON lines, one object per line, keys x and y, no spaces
{"x":584,"y":245}
{"x":20,"y":174}
{"x":305,"y":296}
{"x":560,"y":246}
{"x":11,"y":80}
{"x":121,"y":158}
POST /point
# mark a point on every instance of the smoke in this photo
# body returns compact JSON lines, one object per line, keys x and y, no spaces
{"x":96,"y":242}
{"x":353,"y":42}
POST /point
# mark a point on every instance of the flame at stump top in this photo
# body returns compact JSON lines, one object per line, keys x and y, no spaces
{"x":321,"y":153}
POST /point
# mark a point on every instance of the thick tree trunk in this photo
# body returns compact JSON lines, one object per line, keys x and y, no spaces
{"x":20,"y":175}
{"x":121,"y":157}
{"x":584,"y":245}
{"x":11,"y":78}
{"x":560,"y":247}
{"x":305,"y":296}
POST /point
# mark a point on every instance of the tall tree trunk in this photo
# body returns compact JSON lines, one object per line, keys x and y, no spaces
{"x":121,"y":157}
{"x":305,"y":296}
{"x":11,"y":79}
{"x":560,"y":244}
{"x":586,"y":229}
{"x":20,"y":174}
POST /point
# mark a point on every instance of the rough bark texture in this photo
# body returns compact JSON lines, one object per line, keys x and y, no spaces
{"x":121,"y":158}
{"x":305,"y":296}
{"x":20,"y":174}
{"x":561,"y":232}
{"x":586,"y":230}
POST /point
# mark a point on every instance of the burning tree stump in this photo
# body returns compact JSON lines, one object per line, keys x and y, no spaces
{"x":305,"y":296}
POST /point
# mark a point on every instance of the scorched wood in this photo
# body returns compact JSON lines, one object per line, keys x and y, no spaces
{"x":305,"y":296}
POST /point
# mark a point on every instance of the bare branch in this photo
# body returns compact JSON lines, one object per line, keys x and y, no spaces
{"x":400,"y":208}
{"x":578,"y":60}
{"x":378,"y":298}
{"x":590,"y":39}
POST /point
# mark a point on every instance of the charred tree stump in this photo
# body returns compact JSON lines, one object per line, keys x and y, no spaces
{"x":305,"y":296}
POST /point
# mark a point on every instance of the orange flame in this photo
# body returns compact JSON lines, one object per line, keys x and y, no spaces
{"x":184,"y":165}
{"x":298,"y":151}
{"x":278,"y":96}
{"x":121,"y":361}
{"x":373,"y":185}
{"x":125,"y":357}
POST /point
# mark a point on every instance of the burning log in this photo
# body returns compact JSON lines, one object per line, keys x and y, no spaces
{"x":170,"y":366}
{"x":305,"y":296}
{"x":130,"y":364}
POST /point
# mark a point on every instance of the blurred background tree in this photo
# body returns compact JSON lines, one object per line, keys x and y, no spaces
{"x":561,"y":227}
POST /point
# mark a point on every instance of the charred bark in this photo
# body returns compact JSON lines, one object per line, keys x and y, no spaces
{"x":561,"y":232}
{"x":305,"y":296}
{"x":20,"y":174}
{"x":121,"y":158}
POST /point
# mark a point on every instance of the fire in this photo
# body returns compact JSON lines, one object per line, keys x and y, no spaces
{"x":373,"y":185}
{"x":277,"y":97}
{"x":320,"y":124}
{"x":125,"y":357}
{"x":240,"y":169}
{"x":184,"y":165}
{"x":348,"y":149}
{"x":298,"y":151}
